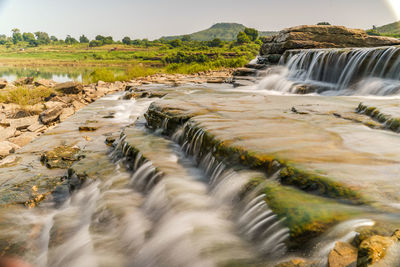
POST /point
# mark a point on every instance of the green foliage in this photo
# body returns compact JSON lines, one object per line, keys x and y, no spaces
{"x":176,"y":43}
{"x":83,"y":39}
{"x":53,"y":38}
{"x":251,"y":33}
{"x":182,"y":57}
{"x":373,"y":33}
{"x":95,"y":43}
{"x":243,"y":38}
{"x":70,"y":40}
{"x":25,"y":96}
{"x":16,"y":36}
{"x":323,"y":23}
{"x":107,"y":75}
{"x":126,"y":40}
{"x":216,"y":42}
{"x":392,"y":29}
{"x":42,"y":38}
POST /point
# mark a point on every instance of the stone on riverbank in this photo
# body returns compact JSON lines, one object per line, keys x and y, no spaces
{"x":50,"y":115}
{"x":69,"y":88}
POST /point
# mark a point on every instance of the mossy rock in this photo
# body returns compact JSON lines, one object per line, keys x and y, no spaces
{"x":61,"y":157}
{"x":306,"y":215}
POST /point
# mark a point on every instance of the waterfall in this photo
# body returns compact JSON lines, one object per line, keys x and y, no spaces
{"x":256,"y":221}
{"x":353,"y":71}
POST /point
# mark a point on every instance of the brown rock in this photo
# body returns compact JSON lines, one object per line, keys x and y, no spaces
{"x":43,"y":82}
{"x":23,"y":123}
{"x":293,"y":263}
{"x":37,"y":127}
{"x":77,"y":105}
{"x":66,"y":113}
{"x":6,"y":133}
{"x":24,"y":81}
{"x":3,"y":84}
{"x":87,"y":128}
{"x":6,"y":148}
{"x":53,"y":104}
{"x":343,"y":255}
{"x":320,"y":36}
{"x":374,"y":248}
{"x":50,"y":115}
{"x":23,"y":139}
{"x":61,"y":157}
{"x":69,"y":88}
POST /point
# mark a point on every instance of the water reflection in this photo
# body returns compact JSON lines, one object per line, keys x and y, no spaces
{"x":57,"y":74}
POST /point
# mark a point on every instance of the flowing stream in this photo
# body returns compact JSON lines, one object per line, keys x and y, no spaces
{"x":349,"y":71}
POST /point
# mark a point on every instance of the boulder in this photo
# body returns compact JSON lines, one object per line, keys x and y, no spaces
{"x":343,"y":254}
{"x":3,"y":83}
{"x":69,"y":87}
{"x":23,"y":81}
{"x":37,"y":127}
{"x":374,"y":248}
{"x":53,"y":104}
{"x":318,"y":36}
{"x":50,"y":115}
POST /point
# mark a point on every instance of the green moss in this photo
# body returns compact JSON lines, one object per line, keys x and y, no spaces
{"x":305,"y":215}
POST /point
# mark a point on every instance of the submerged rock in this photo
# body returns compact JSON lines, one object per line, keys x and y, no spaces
{"x":61,"y":157}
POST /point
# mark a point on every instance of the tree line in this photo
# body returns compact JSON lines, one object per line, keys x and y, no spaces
{"x":42,"y":38}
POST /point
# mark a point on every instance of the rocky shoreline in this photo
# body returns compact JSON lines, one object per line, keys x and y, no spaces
{"x":19,"y":125}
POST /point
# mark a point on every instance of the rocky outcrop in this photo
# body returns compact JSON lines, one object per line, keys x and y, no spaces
{"x":318,"y":36}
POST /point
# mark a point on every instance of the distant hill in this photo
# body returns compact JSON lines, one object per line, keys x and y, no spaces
{"x":223,"y":31}
{"x":389,"y":29}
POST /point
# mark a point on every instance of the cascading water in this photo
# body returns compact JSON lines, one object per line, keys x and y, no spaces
{"x":356,"y":71}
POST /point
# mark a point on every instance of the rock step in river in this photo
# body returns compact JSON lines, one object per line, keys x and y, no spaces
{"x":188,"y":198}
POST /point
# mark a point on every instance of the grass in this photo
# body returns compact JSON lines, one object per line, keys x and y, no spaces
{"x":133,"y":60}
{"x":25,"y":96}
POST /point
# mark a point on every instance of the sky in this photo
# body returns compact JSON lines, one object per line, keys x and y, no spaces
{"x":155,"y":18}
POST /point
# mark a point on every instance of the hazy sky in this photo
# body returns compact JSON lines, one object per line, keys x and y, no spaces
{"x":155,"y":18}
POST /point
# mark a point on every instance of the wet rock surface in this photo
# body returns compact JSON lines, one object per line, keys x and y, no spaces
{"x":61,"y":157}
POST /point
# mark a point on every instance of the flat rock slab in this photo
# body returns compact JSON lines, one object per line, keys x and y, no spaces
{"x":328,"y":138}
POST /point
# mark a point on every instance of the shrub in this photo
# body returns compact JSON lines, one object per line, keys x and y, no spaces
{"x":103,"y":74}
{"x":26,"y":96}
{"x":242,"y":38}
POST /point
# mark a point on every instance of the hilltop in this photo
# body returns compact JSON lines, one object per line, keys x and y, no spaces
{"x":389,"y":29}
{"x":223,"y":31}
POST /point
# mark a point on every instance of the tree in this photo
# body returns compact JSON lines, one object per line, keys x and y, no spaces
{"x":186,"y":38}
{"x":127,"y":40}
{"x":16,"y":36}
{"x":30,"y":39}
{"x":108,"y":40}
{"x":176,"y":43}
{"x":323,"y":23}
{"x":53,"y":38}
{"x":3,"y":39}
{"x":251,"y":33}
{"x":42,"y":38}
{"x":216,"y":42}
{"x":70,"y":40}
{"x":95,"y":43}
{"x":242,"y":38}
{"x":83,"y":39}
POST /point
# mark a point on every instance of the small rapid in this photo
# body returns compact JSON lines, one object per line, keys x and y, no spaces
{"x":348,"y":71}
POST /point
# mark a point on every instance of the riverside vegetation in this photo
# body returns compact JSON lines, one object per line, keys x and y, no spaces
{"x":108,"y":60}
